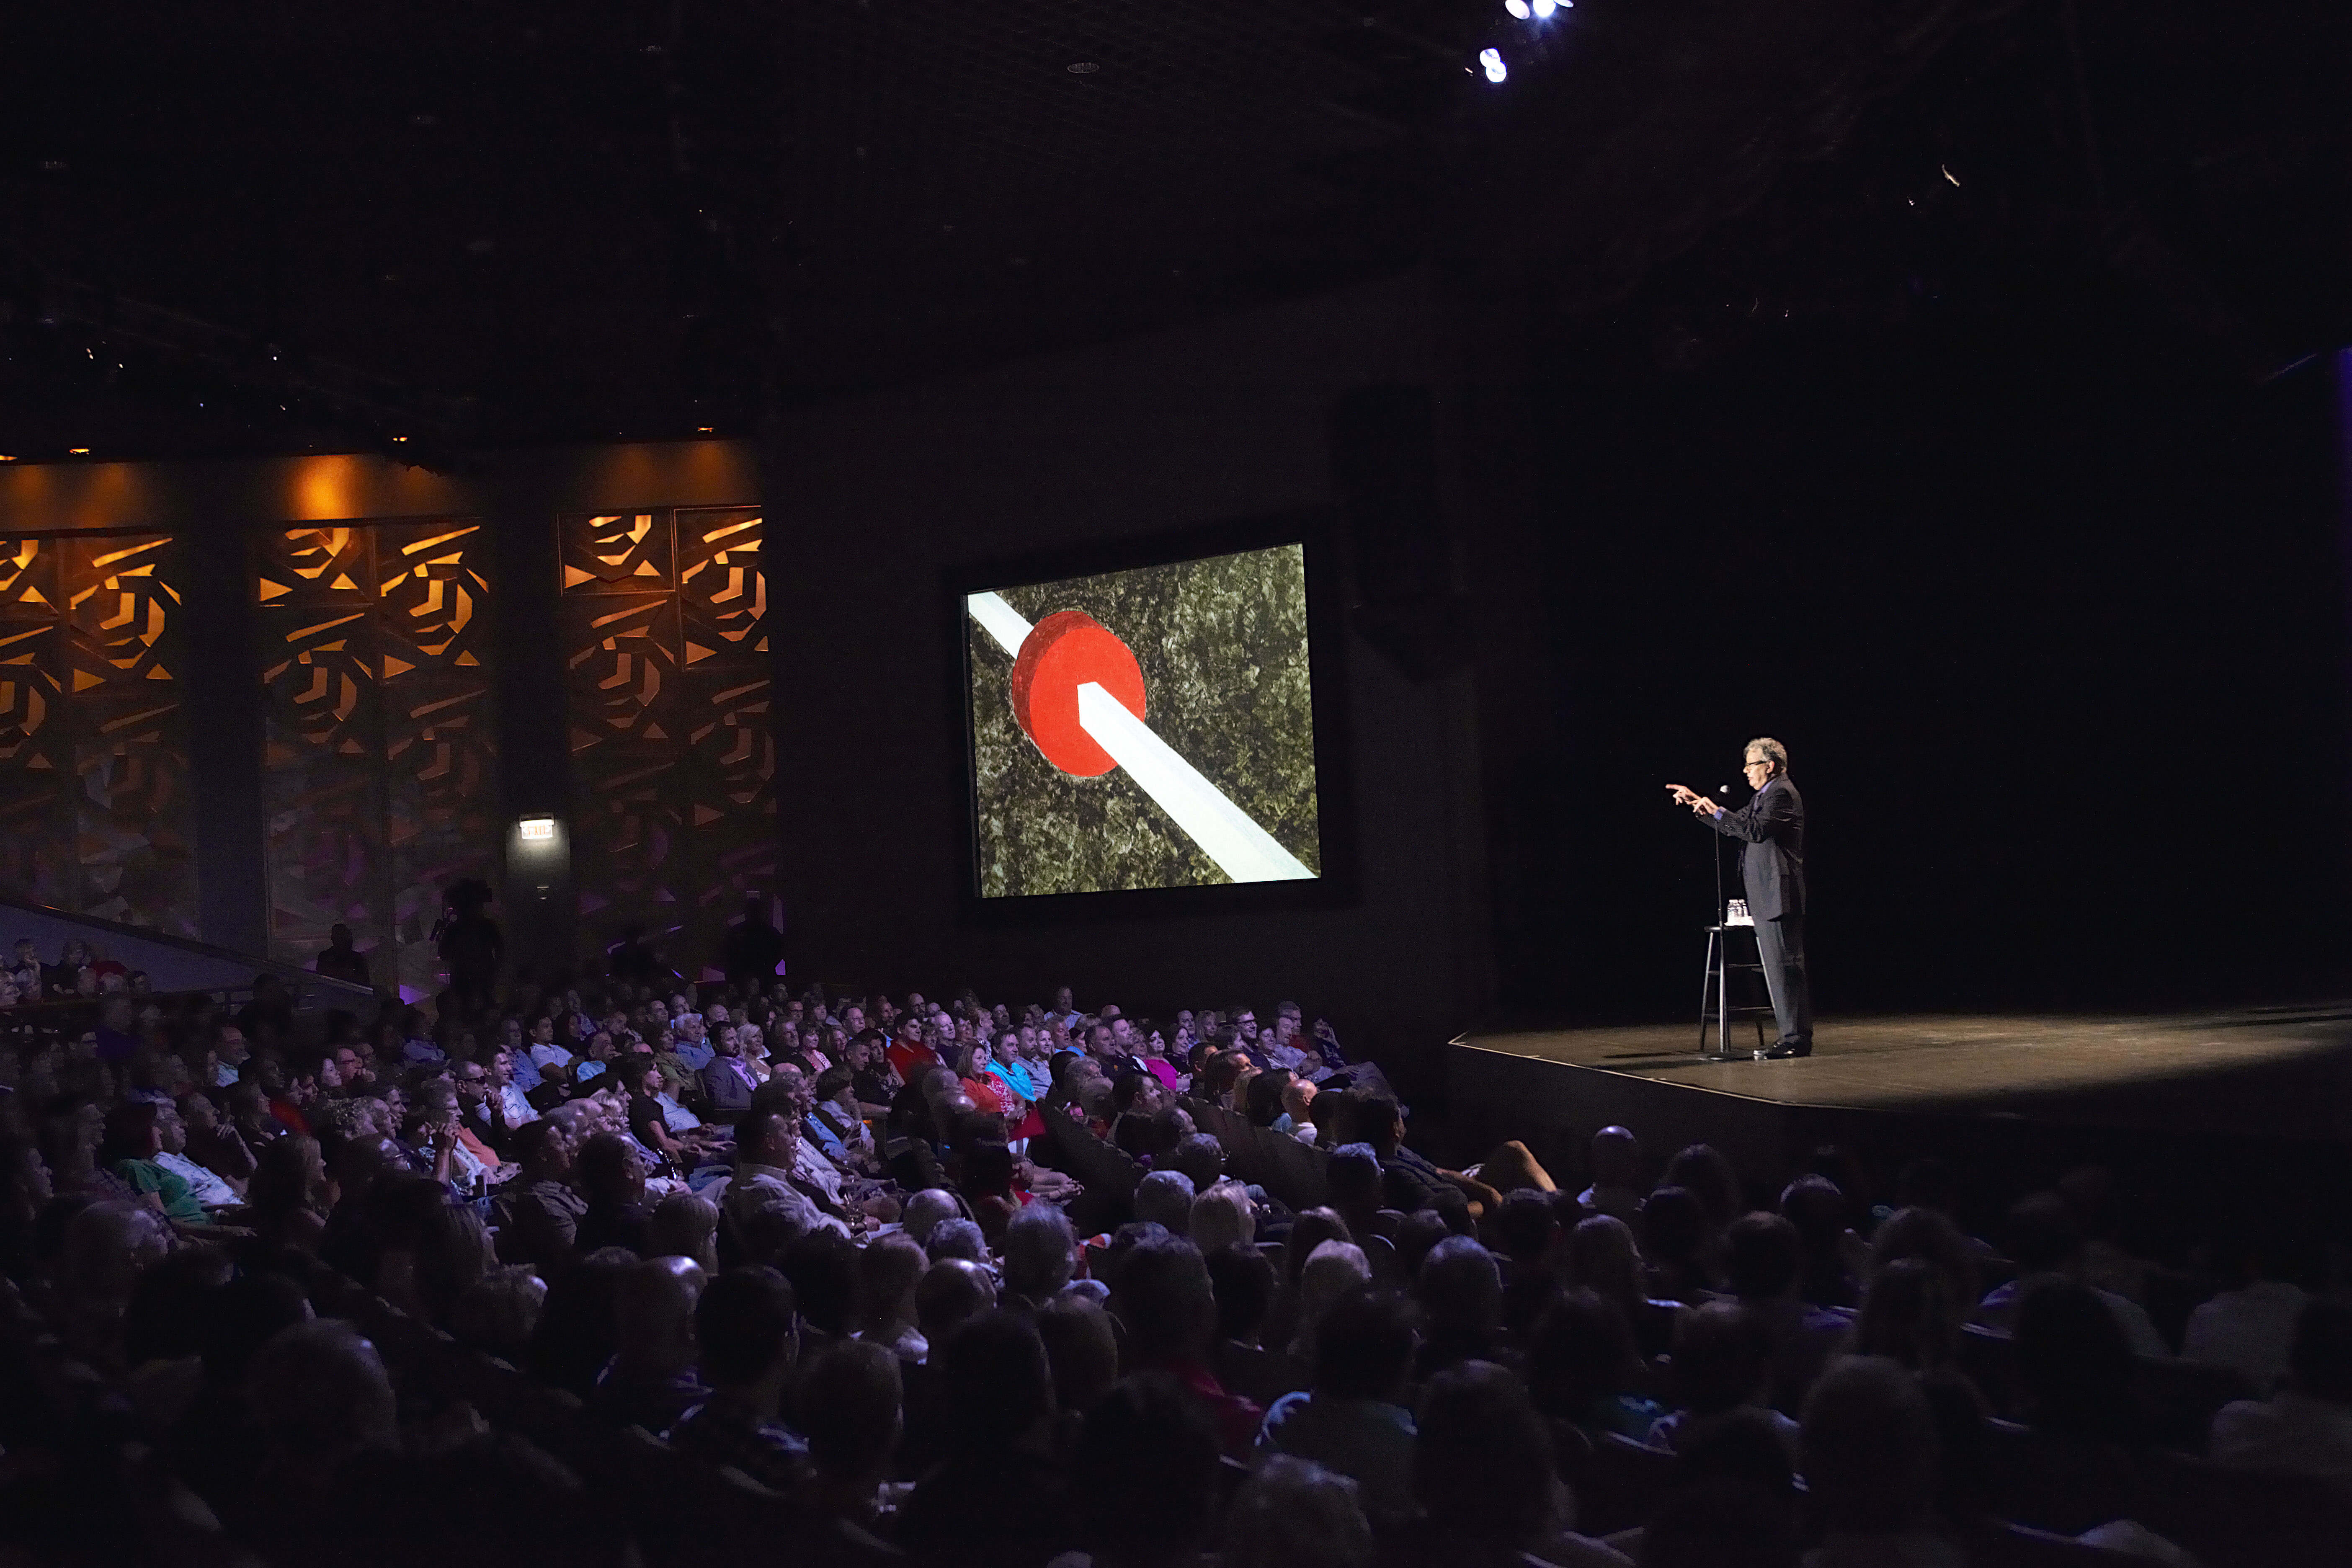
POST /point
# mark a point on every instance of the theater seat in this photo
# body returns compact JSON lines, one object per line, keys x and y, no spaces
{"x":2246,"y":1519}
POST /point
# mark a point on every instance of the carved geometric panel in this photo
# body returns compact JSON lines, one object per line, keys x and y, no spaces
{"x":95,"y":810}
{"x":665,"y":619}
{"x":382,"y":756}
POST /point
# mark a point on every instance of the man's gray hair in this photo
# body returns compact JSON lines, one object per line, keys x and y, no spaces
{"x":1040,"y":1252}
{"x":1772,"y":751}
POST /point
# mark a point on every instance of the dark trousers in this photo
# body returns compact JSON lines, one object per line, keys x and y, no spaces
{"x":1780,"y":947}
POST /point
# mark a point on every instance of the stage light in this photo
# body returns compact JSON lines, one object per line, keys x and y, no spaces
{"x":77,"y":451}
{"x":1544,"y":8}
{"x":1492,"y":61}
{"x":1518,"y":8}
{"x":400,"y":438}
{"x":7,"y":456}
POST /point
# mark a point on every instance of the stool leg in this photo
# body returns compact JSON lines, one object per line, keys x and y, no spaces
{"x":1709,"y":977}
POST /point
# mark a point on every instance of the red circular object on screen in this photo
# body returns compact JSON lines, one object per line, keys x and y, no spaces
{"x":1061,"y":653}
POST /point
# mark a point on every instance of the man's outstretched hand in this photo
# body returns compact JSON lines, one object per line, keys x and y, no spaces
{"x":1700,"y":806}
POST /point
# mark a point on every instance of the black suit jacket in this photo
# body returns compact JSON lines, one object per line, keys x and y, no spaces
{"x":1771,"y":829}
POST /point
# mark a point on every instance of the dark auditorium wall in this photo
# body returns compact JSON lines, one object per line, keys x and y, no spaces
{"x":876,"y":500}
{"x":2051,"y":611}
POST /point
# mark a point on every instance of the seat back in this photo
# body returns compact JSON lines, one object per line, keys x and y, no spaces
{"x":2181,"y":1398}
{"x":1617,"y":1482}
{"x":2241,"y":1518}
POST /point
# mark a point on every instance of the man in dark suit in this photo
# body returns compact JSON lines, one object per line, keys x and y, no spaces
{"x":1771,"y":829}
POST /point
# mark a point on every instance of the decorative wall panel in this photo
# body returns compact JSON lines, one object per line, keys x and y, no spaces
{"x":673,"y":760}
{"x":95,"y":809}
{"x":381,"y":762}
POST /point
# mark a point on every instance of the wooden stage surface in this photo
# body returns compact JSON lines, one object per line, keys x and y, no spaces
{"x":2266,"y":1073}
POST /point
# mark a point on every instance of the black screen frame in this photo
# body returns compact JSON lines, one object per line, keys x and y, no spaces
{"x":1315,"y":531}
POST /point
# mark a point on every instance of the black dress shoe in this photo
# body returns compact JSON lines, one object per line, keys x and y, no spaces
{"x":1786,"y":1051}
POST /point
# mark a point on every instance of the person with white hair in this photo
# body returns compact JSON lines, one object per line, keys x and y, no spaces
{"x":1771,"y":831}
{"x":1294,"y":1513}
{"x":1332,"y":1270}
{"x":1165,"y":1198}
{"x":1223,"y":1216}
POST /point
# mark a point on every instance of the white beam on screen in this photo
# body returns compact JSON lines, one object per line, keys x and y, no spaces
{"x":1242,"y":849}
{"x":999,"y":620}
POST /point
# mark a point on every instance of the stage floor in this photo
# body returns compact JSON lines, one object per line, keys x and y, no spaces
{"x":2273,"y":1072}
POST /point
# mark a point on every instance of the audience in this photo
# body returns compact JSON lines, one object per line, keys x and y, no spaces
{"x":1004,"y":1286}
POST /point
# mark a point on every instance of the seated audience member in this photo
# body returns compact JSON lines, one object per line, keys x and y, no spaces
{"x":1722,"y":1366}
{"x":2252,"y":1325}
{"x":747,"y":1332}
{"x":1354,"y":1420}
{"x":1408,"y":1181}
{"x":1870,"y":1465}
{"x":1674,"y":1242}
{"x":1040,"y":1255}
{"x":850,"y":1404}
{"x":1163,"y":1297}
{"x":1242,"y":1278}
{"x":324,"y":1404}
{"x":1910,"y":1318}
{"x":2306,"y":1426}
{"x":948,"y":1293}
{"x":1762,"y":1256}
{"x":2082,"y":1404}
{"x":1461,"y":1293}
{"x":545,"y":1227}
{"x":958,"y":1238}
{"x":1483,"y":1474}
{"x":1583,"y":1368}
{"x":925,"y":1209}
{"x":767,"y":1149}
{"x":1827,"y":1248}
{"x":997,"y":1396}
{"x":1617,"y":1187}
{"x":1223,"y":1216}
{"x":1331,"y":1270}
{"x":1294,"y":1513}
{"x":132,"y":1142}
{"x":651,"y":1380}
{"x":210,"y":1189}
{"x":1081,"y":1349}
{"x":728,"y":1081}
{"x":2047,"y":1243}
{"x":499,"y":1312}
{"x":1602,"y":1256}
{"x":613,"y":1178}
{"x":1297,"y":1119}
{"x":1705,"y":1173}
{"x":1929,"y":1235}
{"x":1165,"y":1198}
{"x":685,"y":1225}
{"x":1202,"y":1161}
{"x":823,"y":1267}
{"x":888,"y":1269}
{"x":1145,"y":1476}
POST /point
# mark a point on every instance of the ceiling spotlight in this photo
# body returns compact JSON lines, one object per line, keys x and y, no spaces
{"x":1518,"y":8}
{"x":1491,"y":60}
{"x":1544,"y":8}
